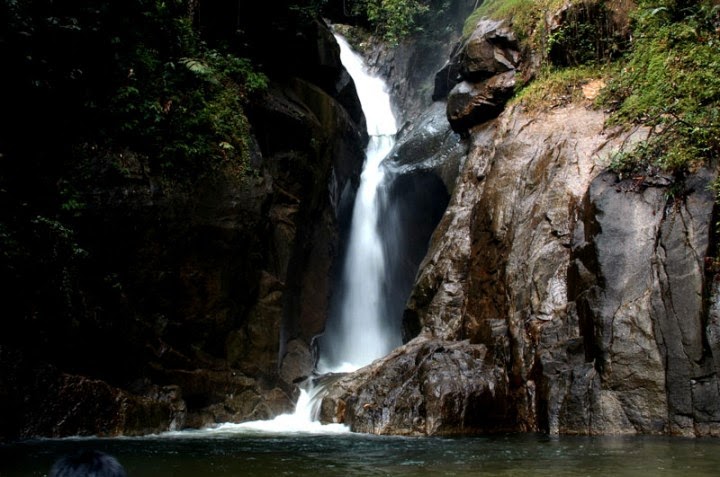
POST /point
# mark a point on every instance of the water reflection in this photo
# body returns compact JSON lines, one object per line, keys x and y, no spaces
{"x":249,"y":454}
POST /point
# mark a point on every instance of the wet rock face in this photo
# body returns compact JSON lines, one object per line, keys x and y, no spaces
{"x":495,"y":272}
{"x":427,"y":387}
{"x":512,"y":203}
{"x":77,"y":405}
{"x":410,"y":67}
{"x":415,"y":203}
{"x":315,"y":164}
{"x":469,"y":104}
{"x":431,"y":146}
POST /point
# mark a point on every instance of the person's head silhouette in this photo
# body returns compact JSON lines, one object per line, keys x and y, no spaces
{"x":87,"y":463}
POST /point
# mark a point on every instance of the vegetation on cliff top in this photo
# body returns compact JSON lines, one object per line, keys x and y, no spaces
{"x":667,"y":77}
{"x":670,"y":81}
{"x":129,"y":75}
{"x":524,"y":14}
{"x":392,"y":19}
{"x":555,"y":87}
{"x":572,"y":41}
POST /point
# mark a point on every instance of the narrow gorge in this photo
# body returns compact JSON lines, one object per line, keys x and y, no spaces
{"x":520,"y":281}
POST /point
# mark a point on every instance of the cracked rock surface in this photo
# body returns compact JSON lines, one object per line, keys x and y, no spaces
{"x":554,"y":297}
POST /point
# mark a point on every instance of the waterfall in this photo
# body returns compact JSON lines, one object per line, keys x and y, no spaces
{"x":360,"y":333}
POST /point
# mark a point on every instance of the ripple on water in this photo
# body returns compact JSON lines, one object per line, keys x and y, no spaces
{"x":264,"y":454}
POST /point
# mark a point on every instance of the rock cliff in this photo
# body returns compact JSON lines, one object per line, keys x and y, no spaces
{"x":555,"y":296}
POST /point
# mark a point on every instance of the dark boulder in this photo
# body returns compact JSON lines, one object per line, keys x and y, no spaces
{"x":427,"y":387}
{"x":482,"y":72}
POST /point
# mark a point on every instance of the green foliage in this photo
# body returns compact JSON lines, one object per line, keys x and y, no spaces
{"x":638,"y":160}
{"x":394,"y":19}
{"x":581,"y":41}
{"x":523,"y":13}
{"x":129,"y":75}
{"x":71,"y":201}
{"x":669,"y":80}
{"x":87,"y":83}
{"x":558,"y":86}
{"x":671,"y":83}
{"x":310,"y":9}
{"x":585,"y":32}
{"x":61,"y":236}
{"x":185,"y":109}
{"x":190,"y":118}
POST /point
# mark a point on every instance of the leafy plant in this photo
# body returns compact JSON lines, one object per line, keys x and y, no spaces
{"x":177,"y":101}
{"x":671,"y":83}
{"x":393,"y":19}
{"x":586,"y":33}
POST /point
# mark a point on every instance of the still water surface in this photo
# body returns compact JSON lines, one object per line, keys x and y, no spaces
{"x":258,"y":454}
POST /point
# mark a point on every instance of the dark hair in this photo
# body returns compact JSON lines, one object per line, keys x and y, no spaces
{"x":87,"y":463}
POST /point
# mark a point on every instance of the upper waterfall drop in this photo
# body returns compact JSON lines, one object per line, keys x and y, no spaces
{"x":372,"y":92}
{"x":360,"y":333}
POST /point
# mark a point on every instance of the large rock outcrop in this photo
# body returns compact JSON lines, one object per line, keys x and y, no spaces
{"x":642,"y":307}
{"x":581,"y":298}
{"x":426,"y":387}
{"x":556,"y":296}
{"x":496,"y":272}
{"x":410,"y":67}
{"x":481,"y":75}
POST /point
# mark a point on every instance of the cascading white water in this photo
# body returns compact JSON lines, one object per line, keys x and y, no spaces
{"x":361,"y":333}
